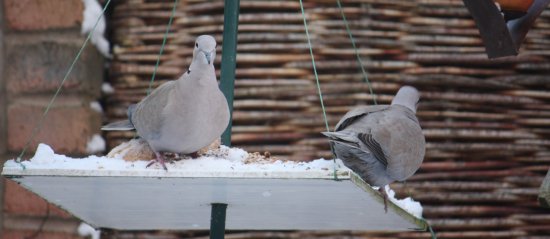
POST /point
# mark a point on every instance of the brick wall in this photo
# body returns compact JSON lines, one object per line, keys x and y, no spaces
{"x":3,"y":135}
{"x":38,"y":41}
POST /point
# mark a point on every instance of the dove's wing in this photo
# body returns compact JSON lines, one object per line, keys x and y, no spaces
{"x":148,"y":115}
{"x":118,"y":126}
{"x":354,"y":127}
{"x":373,"y":147}
{"x":356,"y":113}
{"x":363,"y":163}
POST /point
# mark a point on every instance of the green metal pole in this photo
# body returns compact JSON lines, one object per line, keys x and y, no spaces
{"x":217,"y":221}
{"x":229,"y":59}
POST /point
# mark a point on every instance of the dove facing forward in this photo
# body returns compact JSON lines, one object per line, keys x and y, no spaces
{"x":184,"y":115}
{"x":381,"y":143}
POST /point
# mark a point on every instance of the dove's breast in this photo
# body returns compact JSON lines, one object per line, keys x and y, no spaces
{"x":188,"y":127}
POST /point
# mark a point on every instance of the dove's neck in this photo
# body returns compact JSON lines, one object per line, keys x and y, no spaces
{"x":407,"y":96}
{"x":405,"y":103}
{"x":200,"y":75}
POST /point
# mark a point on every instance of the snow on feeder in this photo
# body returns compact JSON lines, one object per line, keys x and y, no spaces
{"x":260,"y":193}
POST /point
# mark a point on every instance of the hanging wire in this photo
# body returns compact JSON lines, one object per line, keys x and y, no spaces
{"x":314,"y":66}
{"x":317,"y":82}
{"x":432,"y":232}
{"x":164,"y":39}
{"x":38,"y":126}
{"x":359,"y":61}
{"x":162,"y":46}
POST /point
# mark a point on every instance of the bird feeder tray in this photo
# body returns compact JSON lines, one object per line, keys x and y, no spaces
{"x":174,"y":200}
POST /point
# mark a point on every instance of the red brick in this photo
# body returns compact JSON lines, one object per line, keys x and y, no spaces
{"x":69,"y":125}
{"x":42,"y":14}
{"x":19,"y":234}
{"x":38,"y":63}
{"x":20,"y":201}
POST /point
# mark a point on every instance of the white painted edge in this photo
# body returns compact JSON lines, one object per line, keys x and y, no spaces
{"x":308,"y":174}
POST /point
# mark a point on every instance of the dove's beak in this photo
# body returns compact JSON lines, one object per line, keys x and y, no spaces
{"x":208,"y":56}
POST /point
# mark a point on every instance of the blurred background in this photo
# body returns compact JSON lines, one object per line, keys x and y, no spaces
{"x":486,"y":122}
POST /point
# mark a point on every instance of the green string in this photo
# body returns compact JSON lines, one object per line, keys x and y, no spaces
{"x":359,"y":61}
{"x":317,"y":80}
{"x":165,"y":37}
{"x":314,"y":67}
{"x":41,"y":121}
{"x":432,"y":232}
{"x":162,"y":46}
{"x":160,"y":53}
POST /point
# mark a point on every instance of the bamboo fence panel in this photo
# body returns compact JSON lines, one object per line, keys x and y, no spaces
{"x":486,"y":121}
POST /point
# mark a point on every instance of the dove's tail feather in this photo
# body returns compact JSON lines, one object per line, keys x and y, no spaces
{"x":122,"y":125}
{"x":363,"y":163}
{"x":341,"y":136}
{"x":131,"y":109}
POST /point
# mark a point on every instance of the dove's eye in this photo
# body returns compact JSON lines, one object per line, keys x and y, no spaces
{"x":196,"y":44}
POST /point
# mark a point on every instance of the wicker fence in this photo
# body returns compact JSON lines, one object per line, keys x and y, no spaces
{"x":486,"y":122}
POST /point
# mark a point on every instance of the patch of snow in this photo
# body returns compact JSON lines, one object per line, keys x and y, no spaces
{"x":85,"y":230}
{"x":46,"y":154}
{"x":92,"y":11}
{"x":237,"y":154}
{"x":95,"y":145}
{"x":107,"y":88}
{"x":221,"y":160}
{"x":224,"y":159}
{"x":408,"y":204}
{"x":96,"y":106}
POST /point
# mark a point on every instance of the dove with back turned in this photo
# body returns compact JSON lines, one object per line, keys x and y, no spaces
{"x":381,"y":143}
{"x":184,"y":115}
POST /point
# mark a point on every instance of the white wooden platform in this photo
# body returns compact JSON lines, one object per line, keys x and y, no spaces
{"x":159,"y":200}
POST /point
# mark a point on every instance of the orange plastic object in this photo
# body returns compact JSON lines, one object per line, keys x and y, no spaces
{"x":515,"y":5}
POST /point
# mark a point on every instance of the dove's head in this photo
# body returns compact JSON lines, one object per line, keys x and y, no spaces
{"x":205,"y":50}
{"x":407,"y":96}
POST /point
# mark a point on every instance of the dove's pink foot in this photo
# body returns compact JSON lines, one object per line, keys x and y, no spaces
{"x":194,"y":155}
{"x":382,"y":191}
{"x":159,"y":159}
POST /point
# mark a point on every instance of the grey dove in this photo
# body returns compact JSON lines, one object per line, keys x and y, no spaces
{"x":381,"y":143}
{"x":184,"y":115}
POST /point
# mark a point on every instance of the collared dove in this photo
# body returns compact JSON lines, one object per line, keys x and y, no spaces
{"x":184,"y":115}
{"x":381,"y":143}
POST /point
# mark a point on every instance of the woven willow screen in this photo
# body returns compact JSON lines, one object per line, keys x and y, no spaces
{"x":486,"y":122}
